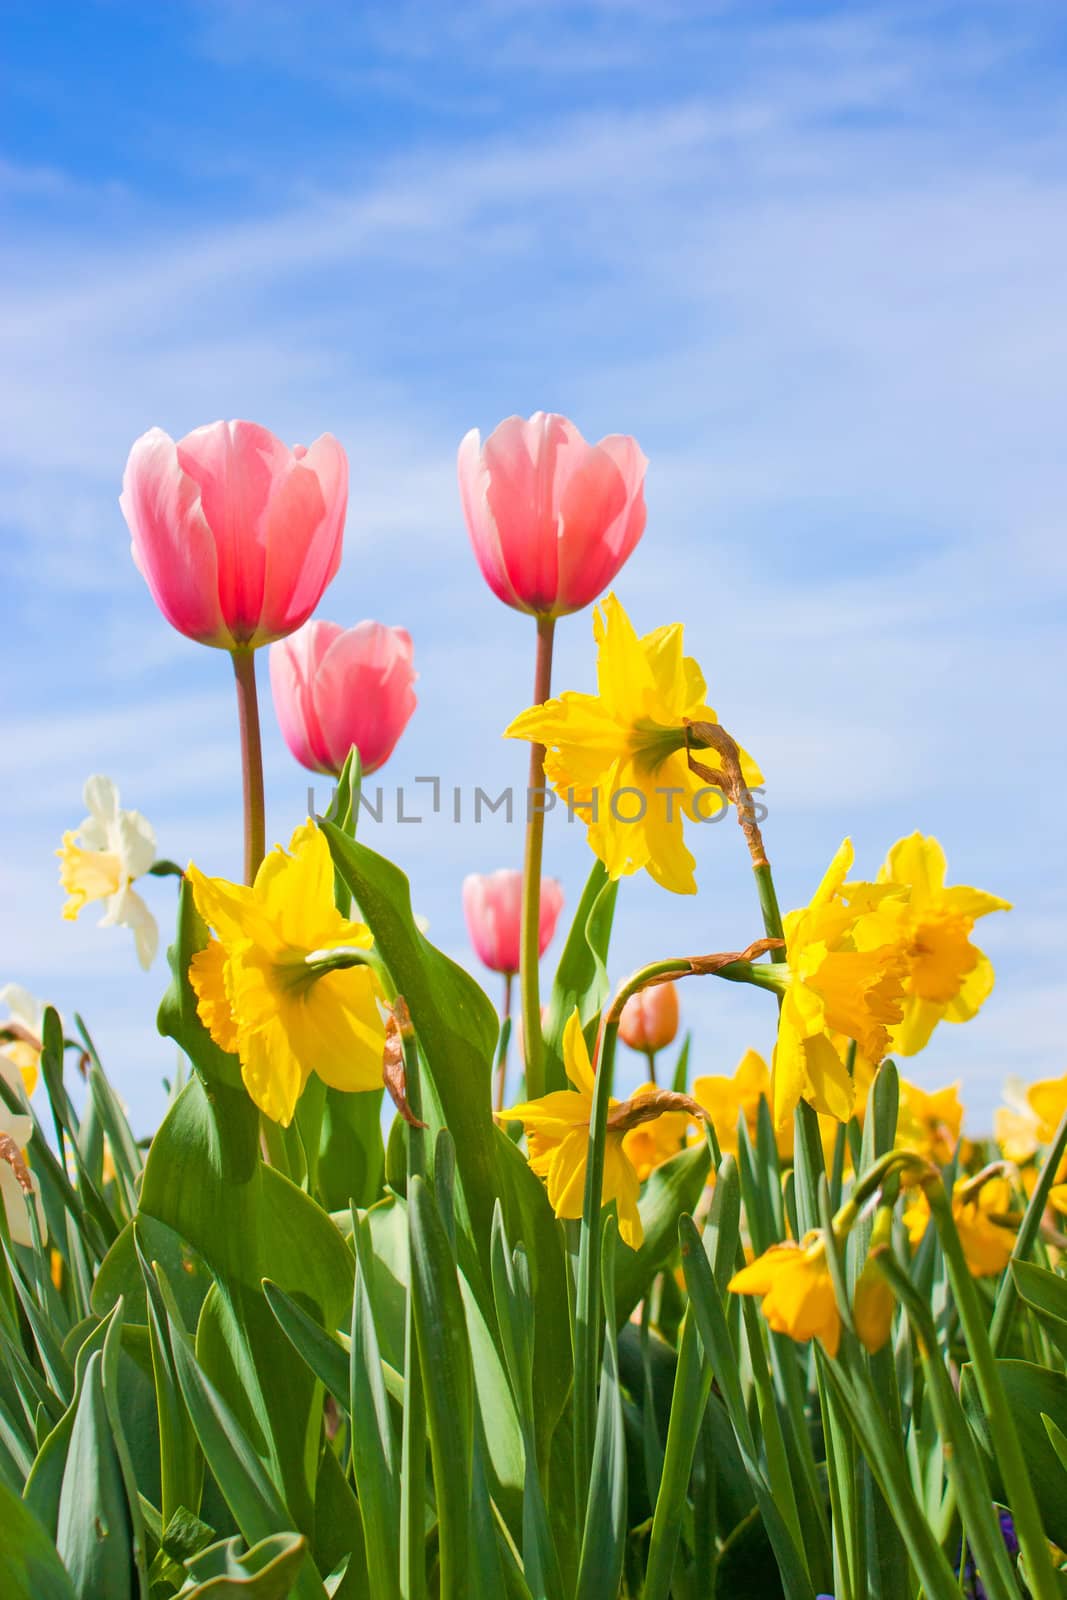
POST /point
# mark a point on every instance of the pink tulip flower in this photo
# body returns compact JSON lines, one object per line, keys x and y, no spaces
{"x":236,"y":535}
{"x":492,"y":905}
{"x":649,"y":1018}
{"x":551,"y":518}
{"x":337,"y":687}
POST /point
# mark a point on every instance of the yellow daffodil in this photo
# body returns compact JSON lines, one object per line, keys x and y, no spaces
{"x":948,"y":977}
{"x":798,"y":1292}
{"x":727,"y":1100}
{"x":618,"y":758}
{"x":101,"y":858}
{"x":846,"y":981}
{"x":930,"y":1121}
{"x":20,"y":1056}
{"x":987,"y":1245}
{"x":1047,"y":1099}
{"x":872,"y":1300}
{"x":557,"y":1137}
{"x":652,"y":1143}
{"x":266,"y":990}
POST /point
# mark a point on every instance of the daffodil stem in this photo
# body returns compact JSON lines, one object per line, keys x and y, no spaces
{"x":768,"y":904}
{"x":587,"y":1301}
{"x":244,"y":672}
{"x":1007,"y":1449}
{"x":530,"y":943}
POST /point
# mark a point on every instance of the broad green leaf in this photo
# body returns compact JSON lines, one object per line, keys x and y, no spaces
{"x":1032,"y":1392}
{"x":30,"y":1569}
{"x":94,"y":1535}
{"x":246,"y":1486}
{"x":45,"y":1482}
{"x":268,"y":1571}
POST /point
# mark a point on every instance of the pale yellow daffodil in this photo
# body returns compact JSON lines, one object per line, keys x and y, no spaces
{"x":20,"y":1057}
{"x":265,"y":989}
{"x":618,"y":758}
{"x":19,"y":1188}
{"x":102,"y":858}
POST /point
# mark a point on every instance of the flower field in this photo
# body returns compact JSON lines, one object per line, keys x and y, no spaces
{"x":401,"y":1300}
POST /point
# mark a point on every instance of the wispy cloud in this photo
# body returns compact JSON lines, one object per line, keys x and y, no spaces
{"x":816,"y":263}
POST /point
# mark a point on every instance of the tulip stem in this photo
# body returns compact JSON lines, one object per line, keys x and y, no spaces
{"x":530,"y":943}
{"x":244,"y":673}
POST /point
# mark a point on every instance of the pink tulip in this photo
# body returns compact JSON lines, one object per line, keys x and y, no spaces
{"x":649,"y":1018}
{"x":235,"y":534}
{"x":551,"y":518}
{"x":335,"y":688}
{"x":492,"y":905}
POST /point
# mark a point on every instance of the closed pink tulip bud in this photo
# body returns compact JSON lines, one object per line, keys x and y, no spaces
{"x":551,"y":518}
{"x":235,"y":534}
{"x":649,"y":1018}
{"x":492,"y":905}
{"x":335,"y":687}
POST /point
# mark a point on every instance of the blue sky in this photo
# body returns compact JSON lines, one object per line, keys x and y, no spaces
{"x":813,"y":257}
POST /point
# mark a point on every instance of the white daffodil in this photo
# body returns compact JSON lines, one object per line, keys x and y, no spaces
{"x":17,"y":1182}
{"x":102,"y":857}
{"x":20,"y":1056}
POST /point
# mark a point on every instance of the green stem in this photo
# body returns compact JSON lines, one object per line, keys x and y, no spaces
{"x":768,"y":904}
{"x":530,"y":942}
{"x":502,"y":1061}
{"x":1007,"y":1450}
{"x":587,"y":1304}
{"x":244,"y":672}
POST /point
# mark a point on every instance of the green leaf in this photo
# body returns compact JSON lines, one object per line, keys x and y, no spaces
{"x":374,"y":1453}
{"x":671,"y":1190}
{"x":94,"y":1535}
{"x":1032,"y":1392}
{"x":581,"y":978}
{"x":448,"y":1384}
{"x":178,"y":1018}
{"x":268,"y":1571}
{"x":45,"y":1482}
{"x":245,"y":1485}
{"x":324,"y":1354}
{"x":30,"y":1569}
{"x":351,"y":1158}
{"x":604,"y":1536}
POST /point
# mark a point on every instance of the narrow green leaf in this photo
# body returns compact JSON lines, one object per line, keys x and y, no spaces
{"x":604,"y":1535}
{"x":447,"y":1380}
{"x":374,"y":1455}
